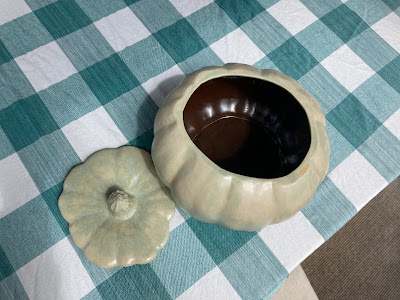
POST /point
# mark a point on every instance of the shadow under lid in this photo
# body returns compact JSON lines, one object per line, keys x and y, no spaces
{"x":248,"y":126}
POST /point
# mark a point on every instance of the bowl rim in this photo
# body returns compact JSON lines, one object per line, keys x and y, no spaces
{"x":181,"y":95}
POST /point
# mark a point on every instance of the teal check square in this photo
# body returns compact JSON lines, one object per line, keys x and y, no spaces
{"x":62,"y":18}
{"x":391,"y":73}
{"x":130,"y":2}
{"x":143,"y":141}
{"x":26,"y":120}
{"x":5,"y":56}
{"x":97,"y":9}
{"x":204,"y":58}
{"x":293,"y":59}
{"x":344,"y":22}
{"x":253,"y":270}
{"x":353,"y":120}
{"x":6,"y":269}
{"x":92,"y":295}
{"x":240,"y":11}
{"x":49,"y":159}
{"x":321,"y":47}
{"x":139,"y":282}
{"x":146,"y":59}
{"x":24,"y":34}
{"x":219,"y":241}
{"x":194,"y":261}
{"x":181,"y":33}
{"x":378,"y":97}
{"x":36,"y":229}
{"x":36,"y":4}
{"x":326,"y":215}
{"x":361,"y":6}
{"x":109,"y":78}
{"x":211,"y":23}
{"x":133,"y":112}
{"x":69,"y":99}
{"x":266,"y":63}
{"x":266,"y":25}
{"x":382,"y":150}
{"x":372,"y":49}
{"x":392,"y":4}
{"x":156,"y":15}
{"x":340,"y":147}
{"x":85,"y":47}
{"x":6,"y":148}
{"x":324,"y":87}
{"x":50,"y":196}
{"x":321,"y":7}
{"x":13,"y":84}
{"x":12,"y":287}
{"x":267,"y":3}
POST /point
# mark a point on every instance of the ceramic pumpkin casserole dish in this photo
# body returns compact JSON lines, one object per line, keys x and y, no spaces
{"x":240,"y":147}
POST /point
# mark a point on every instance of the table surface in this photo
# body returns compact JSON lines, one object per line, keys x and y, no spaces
{"x":76,"y":77}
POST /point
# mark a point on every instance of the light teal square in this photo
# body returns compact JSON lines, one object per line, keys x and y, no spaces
{"x":49,"y":160}
{"x":378,"y":97}
{"x":253,"y":270}
{"x":193,"y":261}
{"x":93,"y":295}
{"x":24,"y":34}
{"x":69,"y":99}
{"x":85,"y":47}
{"x":11,"y":288}
{"x":391,"y":73}
{"x":156,"y":15}
{"x":6,"y":148}
{"x":267,"y":3}
{"x":266,"y":63}
{"x":329,"y":209}
{"x":13,"y":84}
{"x":97,"y":9}
{"x":266,"y":32}
{"x":240,"y":11}
{"x":382,"y":150}
{"x":204,"y":58}
{"x":372,"y":49}
{"x":211,"y":23}
{"x":321,"y":7}
{"x":319,"y":40}
{"x":324,"y":87}
{"x":371,"y":11}
{"x":28,"y":231}
{"x":146,"y":59}
{"x":340,"y":147}
{"x":36,"y":4}
{"x":133,"y":112}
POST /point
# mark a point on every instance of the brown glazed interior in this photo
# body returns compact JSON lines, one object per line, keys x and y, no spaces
{"x":248,"y":126}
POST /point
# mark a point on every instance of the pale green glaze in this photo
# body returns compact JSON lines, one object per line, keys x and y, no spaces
{"x":117,"y":209}
{"x":212,"y":194}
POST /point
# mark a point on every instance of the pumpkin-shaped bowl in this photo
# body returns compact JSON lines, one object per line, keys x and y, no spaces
{"x":240,"y":147}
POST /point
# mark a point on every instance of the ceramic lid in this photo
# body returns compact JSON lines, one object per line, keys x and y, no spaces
{"x":117,"y":208}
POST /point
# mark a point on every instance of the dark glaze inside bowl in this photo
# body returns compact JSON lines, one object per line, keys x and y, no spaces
{"x":248,"y":126}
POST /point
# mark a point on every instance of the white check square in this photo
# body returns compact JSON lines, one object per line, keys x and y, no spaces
{"x":389,"y":30}
{"x":176,"y":220}
{"x":45,"y":66}
{"x":122,"y":29}
{"x":16,"y":185}
{"x":187,"y":7}
{"x":211,"y":286}
{"x":92,"y":132}
{"x":57,"y":273}
{"x":357,"y":179}
{"x":237,"y":47}
{"x":393,"y":124}
{"x":347,"y":68}
{"x":160,"y":86}
{"x":293,"y":15}
{"x":292,"y":240}
{"x":12,"y":9}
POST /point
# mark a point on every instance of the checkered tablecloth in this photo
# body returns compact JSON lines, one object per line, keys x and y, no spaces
{"x":79,"y":76}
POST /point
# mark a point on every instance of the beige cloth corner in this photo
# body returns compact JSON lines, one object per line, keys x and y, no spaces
{"x":296,"y":287}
